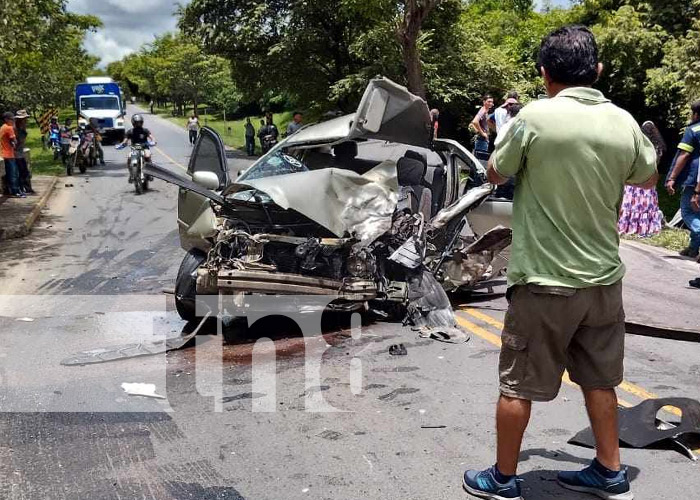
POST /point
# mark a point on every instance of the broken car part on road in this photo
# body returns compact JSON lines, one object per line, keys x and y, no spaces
{"x":367,"y":208}
{"x":641,"y":428}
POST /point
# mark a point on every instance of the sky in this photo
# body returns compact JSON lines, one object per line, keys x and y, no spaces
{"x":128,"y":24}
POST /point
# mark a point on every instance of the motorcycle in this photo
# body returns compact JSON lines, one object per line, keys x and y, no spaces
{"x":269,"y":142}
{"x":55,"y":143}
{"x":89,"y":148}
{"x":135,"y":162}
{"x":75,"y":155}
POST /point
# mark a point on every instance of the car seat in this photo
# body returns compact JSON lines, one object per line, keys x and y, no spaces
{"x":435,"y":179}
{"x":414,"y":195}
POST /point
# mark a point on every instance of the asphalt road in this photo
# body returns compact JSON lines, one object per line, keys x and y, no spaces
{"x":336,"y":417}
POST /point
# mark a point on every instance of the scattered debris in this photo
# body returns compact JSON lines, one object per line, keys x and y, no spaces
{"x":26,"y":320}
{"x":443,"y":334}
{"x":433,"y":427}
{"x":137,"y":389}
{"x":398,"y":350}
{"x":128,"y":351}
{"x":640,"y":427}
{"x":660,"y":332}
{"x":330,"y":435}
{"x":69,"y":185}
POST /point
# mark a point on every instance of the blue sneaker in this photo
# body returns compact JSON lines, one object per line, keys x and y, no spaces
{"x":589,"y":480}
{"x":483,"y":484}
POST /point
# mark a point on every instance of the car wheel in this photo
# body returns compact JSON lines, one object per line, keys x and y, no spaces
{"x":235,"y":330}
{"x":186,"y":285}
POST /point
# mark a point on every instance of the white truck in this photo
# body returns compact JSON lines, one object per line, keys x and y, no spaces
{"x":101,"y":98}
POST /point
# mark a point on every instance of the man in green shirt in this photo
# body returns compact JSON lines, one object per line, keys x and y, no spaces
{"x":571,"y":156}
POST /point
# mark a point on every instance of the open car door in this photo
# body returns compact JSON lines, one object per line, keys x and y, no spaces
{"x":195,"y":218}
{"x":389,"y":112}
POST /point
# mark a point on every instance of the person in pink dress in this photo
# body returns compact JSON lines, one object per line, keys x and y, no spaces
{"x":640,"y":214}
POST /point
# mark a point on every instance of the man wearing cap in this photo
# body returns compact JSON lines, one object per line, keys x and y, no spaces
{"x":8,"y":141}
{"x":25,"y":183}
{"x":501,"y":116}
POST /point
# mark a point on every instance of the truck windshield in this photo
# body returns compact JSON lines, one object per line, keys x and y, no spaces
{"x":106,"y":102}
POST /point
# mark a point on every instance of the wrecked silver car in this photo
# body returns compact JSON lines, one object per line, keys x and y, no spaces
{"x":365,"y":207}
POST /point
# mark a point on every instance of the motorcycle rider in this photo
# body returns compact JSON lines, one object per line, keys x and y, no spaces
{"x":271,"y":134}
{"x":138,"y":135}
{"x":54,"y":131}
{"x":93,"y":127}
{"x":66,"y":133}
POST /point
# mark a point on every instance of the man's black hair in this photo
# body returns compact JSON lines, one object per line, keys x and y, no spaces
{"x":8,"y":115}
{"x":514,"y":109}
{"x":513,"y":95}
{"x":486,"y":97}
{"x":570,"y":56}
{"x":695,"y":108}
{"x":298,"y":113}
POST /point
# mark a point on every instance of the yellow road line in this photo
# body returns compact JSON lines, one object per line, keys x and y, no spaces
{"x":496,"y":340}
{"x":626,"y":386}
{"x":175,"y":162}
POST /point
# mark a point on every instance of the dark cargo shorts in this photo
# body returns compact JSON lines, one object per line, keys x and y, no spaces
{"x":550,"y":329}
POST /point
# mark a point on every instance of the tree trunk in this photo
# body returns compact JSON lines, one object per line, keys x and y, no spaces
{"x":407,"y":32}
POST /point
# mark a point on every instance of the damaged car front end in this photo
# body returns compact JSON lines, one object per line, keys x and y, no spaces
{"x":366,"y":209}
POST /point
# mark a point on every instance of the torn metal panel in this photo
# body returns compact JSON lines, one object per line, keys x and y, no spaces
{"x":661,"y":332}
{"x":117,"y":353}
{"x":389,"y":112}
{"x":428,"y":304}
{"x":459,"y":208}
{"x":342,"y":201}
{"x":639,"y":426}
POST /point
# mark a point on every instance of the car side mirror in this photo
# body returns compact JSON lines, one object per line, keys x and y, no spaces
{"x":207,"y":180}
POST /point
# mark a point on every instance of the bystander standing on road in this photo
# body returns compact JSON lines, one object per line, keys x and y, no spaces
{"x":640,"y":214}
{"x":502,"y":114}
{"x":193,"y":128}
{"x":572,"y":154}
{"x":8,"y":141}
{"x":262,"y":131}
{"x":480,"y":124}
{"x":435,"y":121}
{"x":507,"y":190}
{"x":23,"y":174}
{"x":295,"y":124}
{"x":249,"y":137}
{"x":683,"y":175}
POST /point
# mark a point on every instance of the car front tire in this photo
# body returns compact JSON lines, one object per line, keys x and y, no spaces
{"x":186,"y":285}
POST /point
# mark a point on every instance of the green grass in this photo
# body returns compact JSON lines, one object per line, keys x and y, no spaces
{"x":232,"y":132}
{"x":41,"y":158}
{"x":671,"y":239}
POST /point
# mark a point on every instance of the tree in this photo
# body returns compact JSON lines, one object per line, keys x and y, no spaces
{"x":408,"y":31}
{"x":316,"y":52}
{"x":628,"y":49}
{"x":41,"y":54}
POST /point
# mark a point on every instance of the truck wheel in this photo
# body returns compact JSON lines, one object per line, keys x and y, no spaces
{"x":186,"y":285}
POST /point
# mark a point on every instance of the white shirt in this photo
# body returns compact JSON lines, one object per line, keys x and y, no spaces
{"x":501,"y":117}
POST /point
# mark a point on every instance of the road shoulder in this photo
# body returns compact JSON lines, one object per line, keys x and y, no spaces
{"x":18,"y":215}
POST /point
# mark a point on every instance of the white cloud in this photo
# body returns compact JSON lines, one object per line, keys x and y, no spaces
{"x":127,"y":24}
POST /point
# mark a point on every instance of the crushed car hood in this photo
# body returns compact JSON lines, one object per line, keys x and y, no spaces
{"x":342,"y":201}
